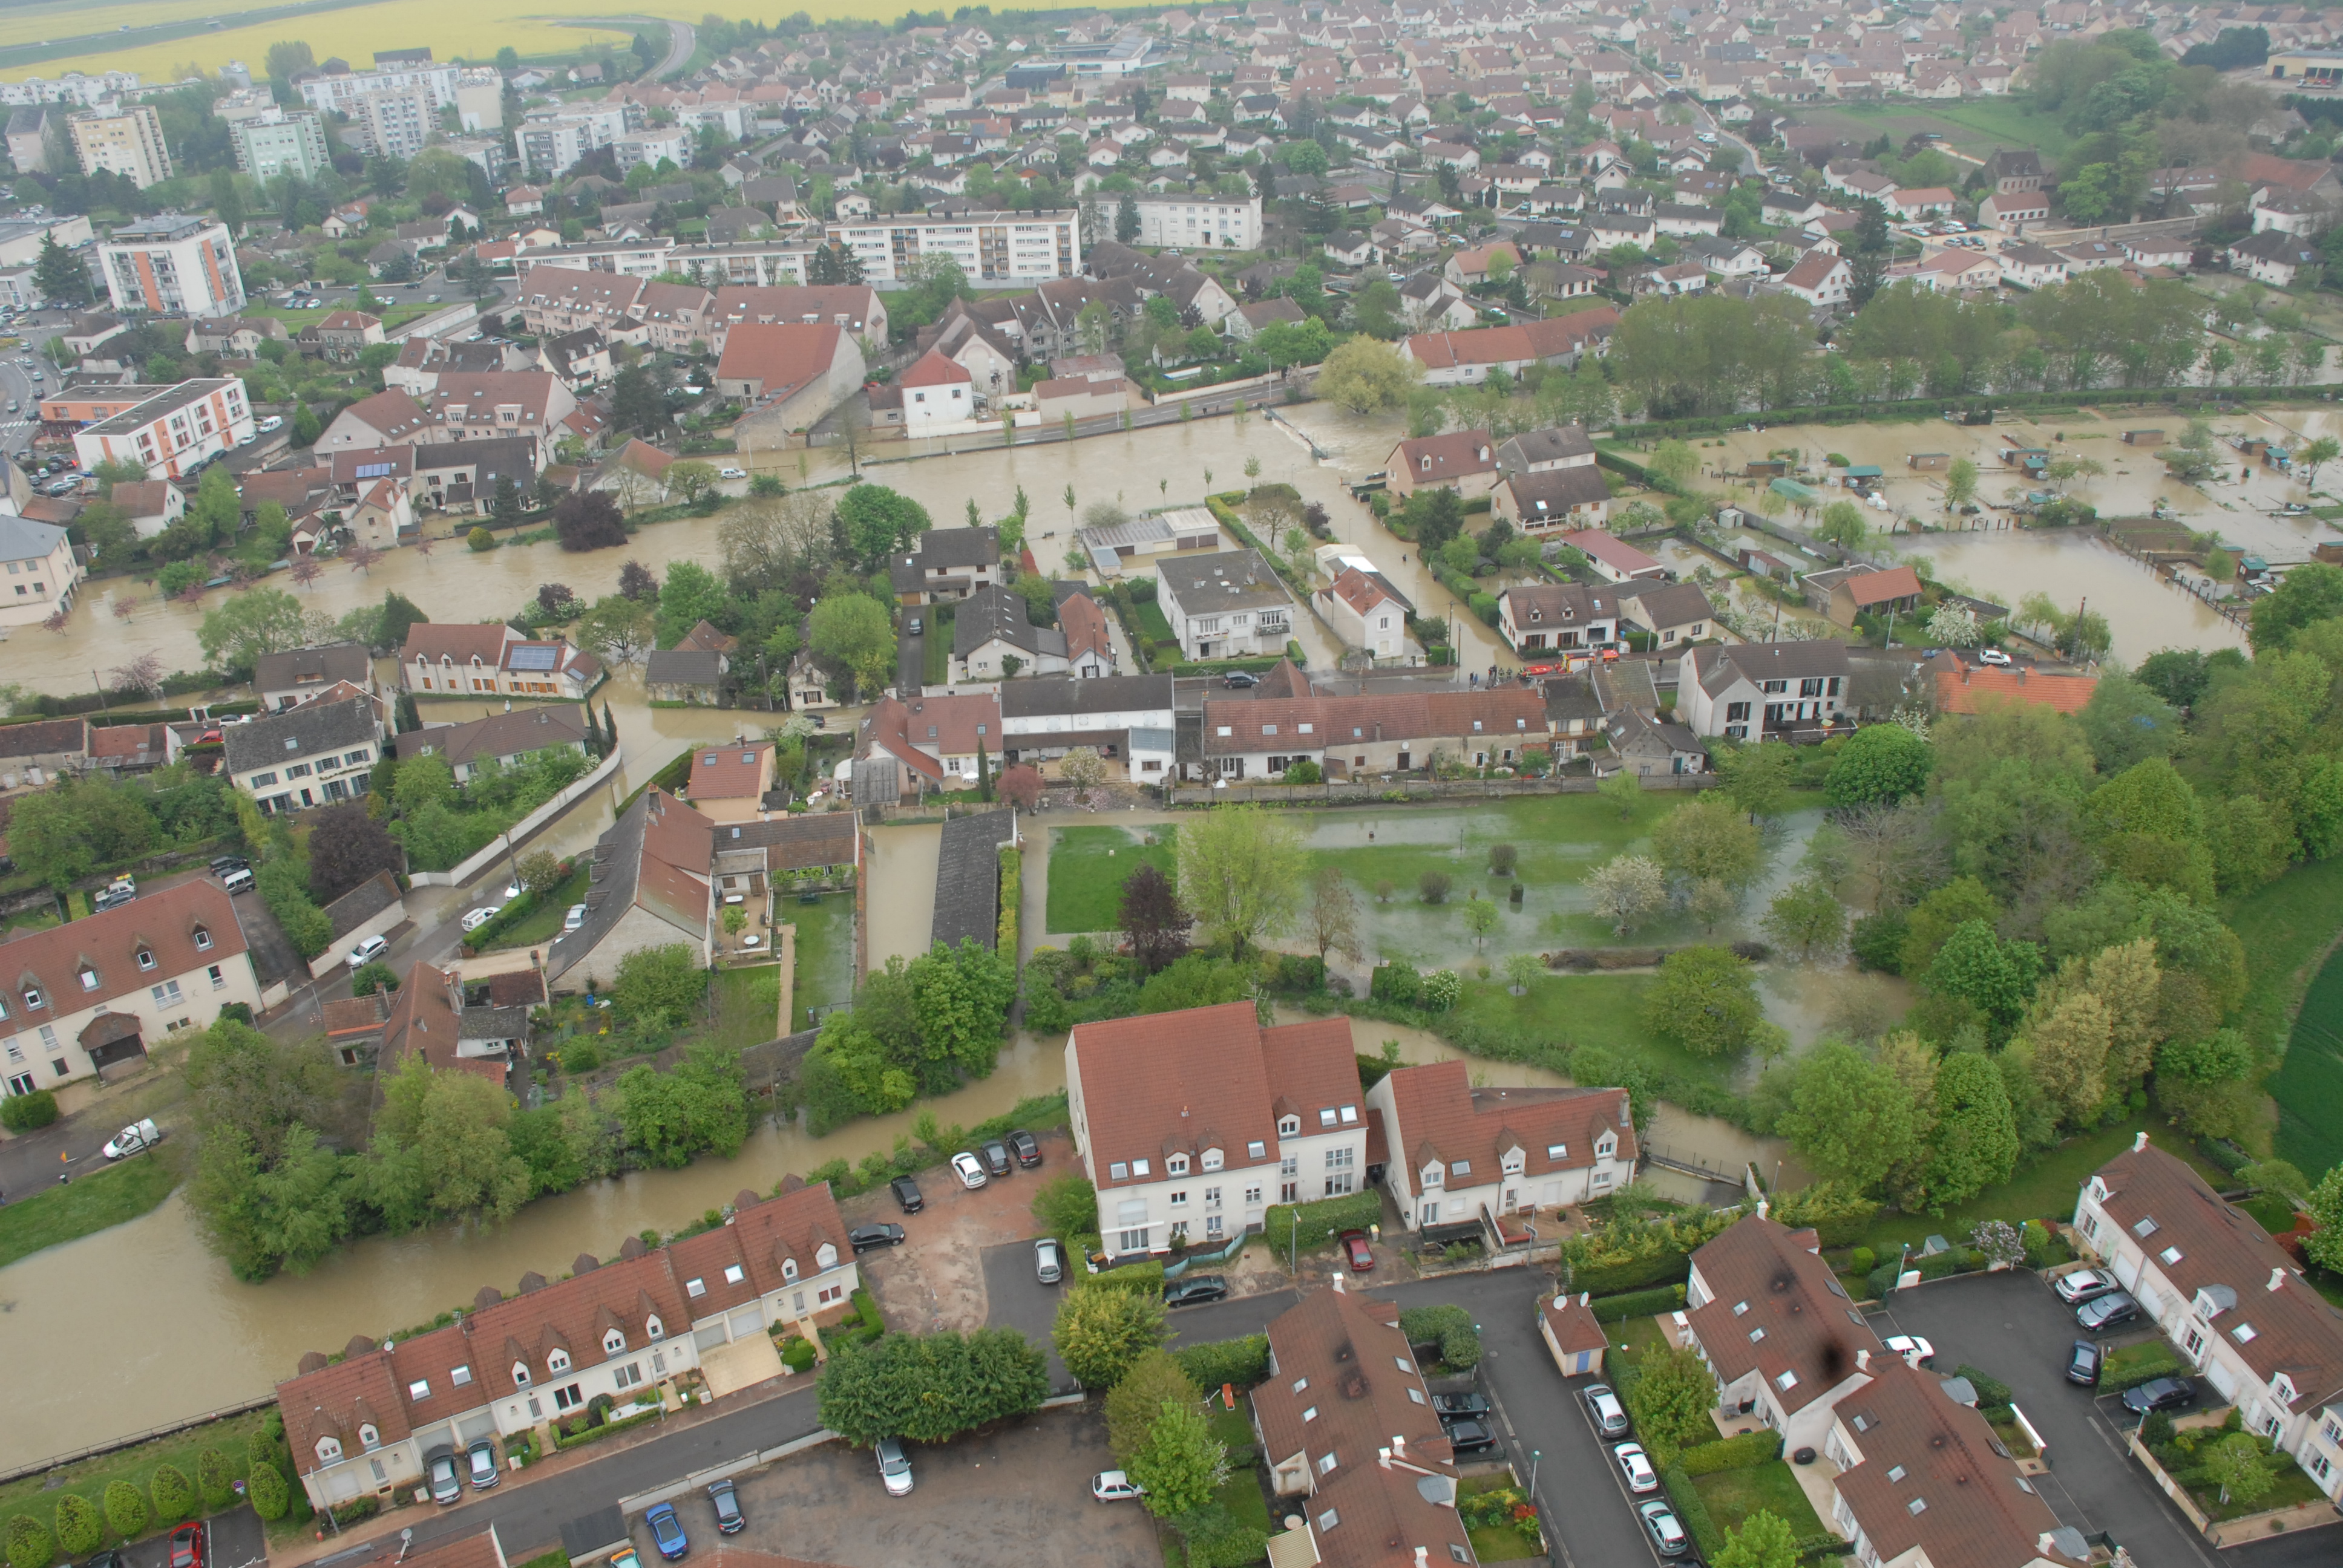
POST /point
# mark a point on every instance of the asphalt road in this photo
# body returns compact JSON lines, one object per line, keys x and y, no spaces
{"x":31,"y":1162}
{"x":1014,"y":1299}
{"x":232,"y":1539}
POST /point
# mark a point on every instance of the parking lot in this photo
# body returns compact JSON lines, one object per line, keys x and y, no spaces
{"x":1018,"y":1494}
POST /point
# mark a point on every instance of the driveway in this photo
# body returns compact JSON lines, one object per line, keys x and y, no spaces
{"x":233,"y":1540}
{"x":1014,"y":1299}
{"x":911,"y":657}
{"x":940,"y":1277}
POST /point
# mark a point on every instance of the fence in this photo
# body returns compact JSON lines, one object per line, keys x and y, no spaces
{"x":520,"y":831}
{"x":2167,"y":573}
{"x":260,"y":1403}
{"x":1372,"y":793}
{"x":1219,"y":1255}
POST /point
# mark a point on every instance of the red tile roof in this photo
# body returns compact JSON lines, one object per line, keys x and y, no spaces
{"x":1962,"y":687}
{"x":1572,"y":1324}
{"x":779,"y":355}
{"x":730,"y":773}
{"x":1443,"y":1119}
{"x":89,"y":962}
{"x":424,"y":1021}
{"x":1877,"y":587}
{"x":1443,"y":459}
{"x":1776,"y":1311}
{"x":935,"y":369}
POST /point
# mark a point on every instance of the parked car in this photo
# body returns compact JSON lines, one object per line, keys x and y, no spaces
{"x":1637,"y":1466}
{"x":667,"y":1532}
{"x":2164,"y":1394}
{"x":1049,"y":1260}
{"x":865,"y":1238}
{"x":481,"y":1464}
{"x":894,"y":1466}
{"x":2098,"y":1315}
{"x":1610,"y":1416}
{"x":996,"y":1157}
{"x":1238,"y":679}
{"x":1666,"y":1531}
{"x":1446,"y":1406}
{"x":2083,"y":1364}
{"x":119,"y":891}
{"x":916,"y":626}
{"x":1193,"y":1290}
{"x":1026,"y":1147}
{"x":478,"y":917}
{"x":439,"y":1466}
{"x":729,"y":1520}
{"x":137,"y":1138}
{"x":1993,"y":656}
{"x":1114,"y":1487}
{"x":969,"y":1169}
{"x":574,"y":920}
{"x":2084,"y":1285}
{"x":224,"y":864}
{"x":366,"y":951}
{"x":190,"y":1546}
{"x":1354,"y":1247}
{"x":269,"y":423}
{"x":907,"y":1195}
{"x":732,"y":473}
{"x":1917,"y":1351}
{"x":1470,"y":1436}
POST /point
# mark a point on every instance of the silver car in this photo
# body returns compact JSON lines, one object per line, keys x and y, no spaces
{"x":1048,"y":1263}
{"x":894,"y":1466}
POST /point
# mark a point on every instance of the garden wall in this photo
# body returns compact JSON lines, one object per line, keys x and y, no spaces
{"x":1360,"y":792}
{"x":520,"y":831}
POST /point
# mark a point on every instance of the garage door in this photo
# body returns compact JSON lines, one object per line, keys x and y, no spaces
{"x":473,"y":1428}
{"x":748,"y":1319}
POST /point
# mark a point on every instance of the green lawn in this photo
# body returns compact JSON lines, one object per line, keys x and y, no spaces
{"x":1733,"y":1495}
{"x":936,"y":646}
{"x":1088,"y":867}
{"x":1152,"y":625}
{"x":2285,"y":928}
{"x":825,"y":958}
{"x":1977,"y":127}
{"x":39,"y":918}
{"x":2040,"y":1191}
{"x":746,"y":1001}
{"x":89,"y":1204}
{"x":36,"y":1494}
{"x":544,"y":922}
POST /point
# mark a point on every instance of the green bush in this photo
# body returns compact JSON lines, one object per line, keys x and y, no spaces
{"x":30,"y":1544}
{"x":1140,"y":1279}
{"x":215,"y":1480}
{"x":797,"y":1355}
{"x":174,"y":1494}
{"x":1692,"y":1512}
{"x":1310,"y":1226}
{"x":1990,"y":1390}
{"x":1648,"y":1303}
{"x":271,"y":1496}
{"x":1395,"y":982}
{"x":1219,"y":1539}
{"x":481,"y":540}
{"x":125,"y":1511}
{"x":1862,"y":1260}
{"x":1442,"y":988}
{"x":1241,"y":1362}
{"x":1449,"y":1327}
{"x":80,"y":1528}
{"x":1747,"y":1451}
{"x":28,"y":1112}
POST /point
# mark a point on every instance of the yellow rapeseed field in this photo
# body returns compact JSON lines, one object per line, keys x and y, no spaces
{"x":450,"y":28}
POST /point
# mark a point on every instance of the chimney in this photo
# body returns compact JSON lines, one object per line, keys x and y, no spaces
{"x":2278,"y":1278}
{"x":1862,"y":1361}
{"x":1422,"y":1556}
{"x":1338,"y":1285}
{"x":1399,"y":1444}
{"x":1383,"y":1457}
{"x":2140,"y":1142}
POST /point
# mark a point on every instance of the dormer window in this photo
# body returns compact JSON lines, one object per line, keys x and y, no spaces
{"x":1176,"y":1165}
{"x":653,"y":1328}
{"x":203,"y":940}
{"x":369,"y":1437}
{"x":32,"y":996}
{"x":330,"y":1449}
{"x":613,"y":1342}
{"x":145,"y":959}
{"x":1602,"y":1150}
{"x":88,"y":977}
{"x":826,"y":1256}
{"x":1287,"y":1126}
{"x":557,"y":1361}
{"x":1211,"y":1160}
{"x":1431,"y":1174}
{"x":789,"y":1267}
{"x":520,"y":1374}
{"x":1513,"y":1162}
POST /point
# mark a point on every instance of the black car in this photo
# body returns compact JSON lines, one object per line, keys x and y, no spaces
{"x":2110,"y":1311}
{"x":1470,"y":1436}
{"x":1026,"y":1147}
{"x":1450,"y":1406}
{"x":995,"y":1154}
{"x":907,"y":1195}
{"x":865,"y":1237}
{"x":226,"y":863}
{"x":2084,"y":1363}
{"x":2164,"y":1394}
{"x":1238,"y":679}
{"x":1192,"y":1292}
{"x":729,"y":1520}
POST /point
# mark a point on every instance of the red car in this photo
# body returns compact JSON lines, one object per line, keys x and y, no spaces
{"x":187,"y":1546}
{"x":1354,"y":1243}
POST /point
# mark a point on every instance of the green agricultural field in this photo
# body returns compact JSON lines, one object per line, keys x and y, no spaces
{"x":1976,"y":127}
{"x":1088,"y":867}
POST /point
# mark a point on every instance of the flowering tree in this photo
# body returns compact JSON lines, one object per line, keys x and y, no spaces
{"x":1955,"y":625}
{"x":2000,"y":1242}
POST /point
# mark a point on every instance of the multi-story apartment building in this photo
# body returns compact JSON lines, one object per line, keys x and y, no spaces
{"x":342,"y":89}
{"x":280,"y":141}
{"x":1191,"y":1124}
{"x":173,"y":432}
{"x":128,"y":141}
{"x":42,"y":571}
{"x":2220,"y":1287}
{"x":652,"y":145}
{"x":550,"y":141}
{"x":173,"y":264}
{"x":503,"y":404}
{"x":94,"y":993}
{"x":315,"y":754}
{"x":395,"y":123}
{"x":1193,"y":220}
{"x":480,"y":99}
{"x":989,"y":247}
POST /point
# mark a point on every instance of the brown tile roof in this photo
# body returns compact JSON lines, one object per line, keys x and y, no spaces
{"x":1084,"y":625}
{"x":1931,"y":1477}
{"x":334,"y":1401}
{"x":1360,"y":591}
{"x":917,"y":732}
{"x":794,"y":843}
{"x":1572,"y":1324}
{"x":781,"y":357}
{"x":2295,"y":1331}
{"x":127,"y":742}
{"x":1961,"y":689}
{"x":1441,"y":459}
{"x":88,"y":962}
{"x":1443,"y":1118}
{"x":1335,"y":721}
{"x":456,"y":641}
{"x":393,"y":415}
{"x":69,"y":737}
{"x":1878,"y":588}
{"x":356,"y":1017}
{"x":730,"y":773}
{"x":1347,"y":1386}
{"x":423,"y":1019}
{"x":1563,"y":606}
{"x":1767,"y":1284}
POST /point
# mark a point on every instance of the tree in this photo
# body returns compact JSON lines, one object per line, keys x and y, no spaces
{"x":2069,"y":1042}
{"x":1759,"y":777}
{"x":2310,"y":592}
{"x":125,"y":1510}
{"x":1763,"y":1541}
{"x":1241,"y":870}
{"x":1153,"y":919}
{"x":1102,"y":1330}
{"x":1153,"y":1379}
{"x":1366,"y":376}
{"x":1479,"y":917}
{"x":1850,"y":1118}
{"x":1671,"y":1401}
{"x":930,"y":1388}
{"x":1879,"y":764}
{"x":30,"y":1544}
{"x":541,"y":871}
{"x":2324,"y":1246}
{"x":1975,"y":1143}
{"x":347,"y":848}
{"x":1992,"y":977}
{"x":271,"y":1494}
{"x":1704,"y":999}
{"x":690,"y":595}
{"x":856,"y":632}
{"x":1126,"y":219}
{"x":242,"y":626}
{"x":588,"y":520}
{"x":1706,"y":841}
{"x":880,"y":522}
{"x":59,"y":275}
{"x":1021,"y":785}
{"x":1627,"y":891}
{"x":1622,"y":789}
{"x":2316,"y":455}
{"x":1180,"y":1464}
{"x":306,"y":425}
{"x":1806,"y":918}
{"x":1673,"y":463}
{"x":1332,"y":921}
{"x":959,"y":1003}
{"x":1960,"y":483}
{"x":1083,"y":768}
{"x":174,"y":1494}
{"x":660,"y":987}
{"x":441,"y":1152}
{"x":81,"y":1529}
{"x":618,"y":630}
{"x":369,"y":979}
{"x":1521,"y":971}
{"x":2241,"y":1467}
{"x":1842,"y":525}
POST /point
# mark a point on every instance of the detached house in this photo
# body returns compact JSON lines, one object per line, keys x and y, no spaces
{"x":1464,"y":461}
{"x":1776,"y":1329}
{"x":447,"y":659}
{"x":1540,"y":618}
{"x":1225,"y":606}
{"x":947,"y":564}
{"x":1750,"y":691}
{"x":994,"y":638}
{"x":932,"y":740}
{"x":1462,"y":1159}
{"x":317,"y":754}
{"x":649,"y":887}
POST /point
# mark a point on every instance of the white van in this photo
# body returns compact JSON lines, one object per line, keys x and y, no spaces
{"x":237,"y":880}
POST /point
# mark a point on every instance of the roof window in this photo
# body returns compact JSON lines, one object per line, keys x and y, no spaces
{"x":2145,"y":1228}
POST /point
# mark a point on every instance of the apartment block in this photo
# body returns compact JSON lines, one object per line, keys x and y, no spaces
{"x":480,"y":99}
{"x":1190,"y":220}
{"x":394,"y":125}
{"x":991,"y":246}
{"x":275,"y":142}
{"x":343,"y":89}
{"x":173,"y":433}
{"x":128,"y":141}
{"x":173,"y":264}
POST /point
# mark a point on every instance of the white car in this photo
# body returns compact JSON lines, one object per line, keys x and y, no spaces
{"x":274,"y":422}
{"x":1917,"y":1351}
{"x":138,"y":1137}
{"x":894,"y":1466}
{"x":366,"y":951}
{"x":969,"y":1169}
{"x":1114,"y":1487}
{"x":1637,"y":1466}
{"x":478,"y":918}
{"x":574,"y":919}
{"x":1994,"y":657}
{"x":734,"y":474}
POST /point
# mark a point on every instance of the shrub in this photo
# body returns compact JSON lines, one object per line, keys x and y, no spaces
{"x":1503,"y":858}
{"x":797,"y":1355}
{"x":174,"y":1494}
{"x":125,"y":1511}
{"x":1396,"y":983}
{"x":1140,"y":1279}
{"x":271,"y":1496}
{"x":30,"y":1544}
{"x":1310,"y":1226}
{"x":1628,"y":1304}
{"x":28,"y":1112}
{"x":1877,"y":942}
{"x":1449,"y":1327}
{"x":480,"y":540}
{"x":1441,"y":989}
{"x":1432,"y":887}
{"x":1990,"y":1390}
{"x":80,"y":1529}
{"x":215,"y":1480}
{"x":1862,"y":1260}
{"x":1219,"y":1539}
{"x":1303,"y":772}
{"x":1239,"y":1363}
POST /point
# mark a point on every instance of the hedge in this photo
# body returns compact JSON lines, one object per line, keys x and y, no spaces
{"x":1692,"y":1512}
{"x":1310,"y":1226}
{"x":1011,"y":875}
{"x":1139,"y":1279}
{"x":1239,"y":1361}
{"x":2147,"y":1369}
{"x":1936,"y":1266}
{"x":1628,"y":1304}
{"x":1449,"y":1327}
{"x":1747,"y":1451}
{"x":30,"y":1544}
{"x":646,"y":1414}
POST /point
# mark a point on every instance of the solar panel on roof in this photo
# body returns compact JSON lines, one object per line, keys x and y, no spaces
{"x":536,"y":657}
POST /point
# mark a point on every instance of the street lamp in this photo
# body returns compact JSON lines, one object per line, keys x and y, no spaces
{"x":1533,"y":1464}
